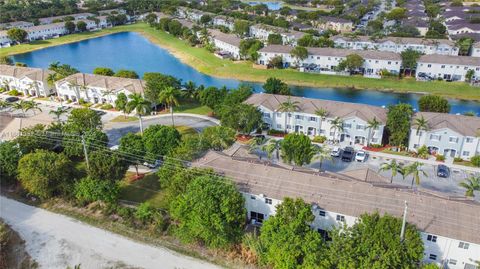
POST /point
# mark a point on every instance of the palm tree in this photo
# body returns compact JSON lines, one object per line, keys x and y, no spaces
{"x":421,"y":124}
{"x":336,"y":125}
{"x":273,"y":145}
{"x":321,"y":154}
{"x":31,"y":105}
{"x":471,"y":185}
{"x":392,"y":166}
{"x":372,"y":124}
{"x":58,"y":112}
{"x":169,"y":96}
{"x":415,"y":169}
{"x":289,"y":106}
{"x":322,"y":113}
{"x":4,"y":104}
{"x":190,"y":90}
{"x":140,"y":106}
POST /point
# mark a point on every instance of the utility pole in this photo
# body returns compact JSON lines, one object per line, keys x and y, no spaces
{"x":404,"y":222}
{"x":85,"y":151}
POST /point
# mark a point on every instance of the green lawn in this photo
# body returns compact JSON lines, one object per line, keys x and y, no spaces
{"x":207,"y":63}
{"x":192,"y":107}
{"x":146,"y":189}
{"x":124,"y":119}
{"x":184,"y":130}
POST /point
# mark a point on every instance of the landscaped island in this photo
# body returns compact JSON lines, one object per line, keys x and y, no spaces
{"x":207,"y":63}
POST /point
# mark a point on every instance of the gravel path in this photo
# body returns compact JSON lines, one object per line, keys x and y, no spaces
{"x":57,"y":241}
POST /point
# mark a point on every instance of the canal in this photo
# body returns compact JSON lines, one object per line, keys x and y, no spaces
{"x":132,"y":51}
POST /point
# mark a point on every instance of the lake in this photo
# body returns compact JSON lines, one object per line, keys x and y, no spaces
{"x":270,"y":5}
{"x":132,"y":51}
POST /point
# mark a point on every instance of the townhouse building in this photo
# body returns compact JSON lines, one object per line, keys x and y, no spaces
{"x":462,"y":27}
{"x":15,"y":24}
{"x":192,"y":14}
{"x":475,"y":51}
{"x":397,"y":44}
{"x":334,"y":23}
{"x":46,"y":31}
{"x":262,"y":31}
{"x":224,"y":21}
{"x":228,"y":45}
{"x":326,"y":60}
{"x":4,"y":39}
{"x":447,"y":134}
{"x":448,"y":228}
{"x":97,"y":89}
{"x":27,"y":80}
{"x":78,"y":16}
{"x":355,"y":118}
{"x":451,"y":68}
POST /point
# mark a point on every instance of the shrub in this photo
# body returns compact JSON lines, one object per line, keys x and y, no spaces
{"x":275,"y":132}
{"x":440,"y":158}
{"x":106,"y":106}
{"x":423,"y":152}
{"x":457,"y":159}
{"x":376,"y":146}
{"x":2,"y":90}
{"x":90,"y":190}
{"x":475,"y":160}
{"x":14,"y":92}
{"x":145,"y":212}
{"x":319,"y":139}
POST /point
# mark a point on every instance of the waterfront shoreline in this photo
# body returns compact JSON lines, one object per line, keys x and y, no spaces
{"x":206,"y":63}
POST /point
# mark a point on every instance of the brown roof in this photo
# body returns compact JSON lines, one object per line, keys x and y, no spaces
{"x":308,"y":105}
{"x":430,"y":213}
{"x":464,"y":125}
{"x":367,"y":54}
{"x":19,"y":72}
{"x":227,"y":38}
{"x":448,"y":59}
{"x":110,"y":83}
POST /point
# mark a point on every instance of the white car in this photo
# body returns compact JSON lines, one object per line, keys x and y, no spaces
{"x":335,"y":152}
{"x":361,"y":156}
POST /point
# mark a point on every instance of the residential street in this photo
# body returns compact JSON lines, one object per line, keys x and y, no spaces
{"x":57,"y":241}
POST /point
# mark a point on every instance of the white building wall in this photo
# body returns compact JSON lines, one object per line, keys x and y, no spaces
{"x":391,"y":46}
{"x":27,"y":86}
{"x":224,"y":46}
{"x":91,"y":94}
{"x":450,"y":253}
{"x":446,"y":71}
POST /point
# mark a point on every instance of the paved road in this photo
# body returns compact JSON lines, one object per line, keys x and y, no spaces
{"x":116,"y":130}
{"x":57,"y":241}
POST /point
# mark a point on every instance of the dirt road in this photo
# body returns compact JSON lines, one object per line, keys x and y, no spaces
{"x":57,"y":241}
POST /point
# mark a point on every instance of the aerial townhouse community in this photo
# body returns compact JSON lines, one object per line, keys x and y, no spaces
{"x":27,"y":80}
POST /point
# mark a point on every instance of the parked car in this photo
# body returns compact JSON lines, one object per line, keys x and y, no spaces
{"x":348,"y":154}
{"x":11,"y":99}
{"x":154,"y":165}
{"x":443,"y":171}
{"x":361,"y":156}
{"x":336,"y":152}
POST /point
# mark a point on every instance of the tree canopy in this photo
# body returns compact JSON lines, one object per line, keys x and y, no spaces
{"x":106,"y":165}
{"x":17,"y":35}
{"x":122,"y":73}
{"x":244,"y":118}
{"x":160,"y":140}
{"x":297,"y":148}
{"x":10,"y":155}
{"x":104,"y":71}
{"x":398,"y":123}
{"x":276,"y":86}
{"x":433,"y":103}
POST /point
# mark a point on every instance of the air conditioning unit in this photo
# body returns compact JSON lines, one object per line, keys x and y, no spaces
{"x":262,"y":195}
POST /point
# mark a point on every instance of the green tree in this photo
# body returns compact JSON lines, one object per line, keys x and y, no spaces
{"x":70,"y":26}
{"x":372,"y":125}
{"x":421,"y":124}
{"x":103,"y":71}
{"x":218,"y":137}
{"x":374,"y":242}
{"x":275,"y":39}
{"x":433,"y":103}
{"x":205,"y":19}
{"x":9,"y":155}
{"x":160,"y":140}
{"x":464,"y":44}
{"x":44,"y":173}
{"x":6,"y":60}
{"x":94,"y":140}
{"x":414,"y":169}
{"x":210,"y":211}
{"x":82,"y":26}
{"x":249,"y":48}
{"x":351,"y":63}
{"x":17,"y":35}
{"x":273,"y":145}
{"x":469,"y":75}
{"x":322,"y":154}
{"x":322,"y":113}
{"x":121,"y":103}
{"x":398,"y":123}
{"x":58,"y":113}
{"x":286,"y":239}
{"x":82,"y":119}
{"x":122,"y":73}
{"x":151,"y":18}
{"x":275,"y":62}
{"x":288,"y":108}
{"x":132,"y":145}
{"x":337,"y":126}
{"x":106,"y":165}
{"x":60,"y":71}
{"x":243,"y":118}
{"x":409,"y":59}
{"x":89,"y":190}
{"x":169,"y":96}
{"x":397,"y":14}
{"x":394,"y":167}
{"x":276,"y":86}
{"x":471,"y":185}
{"x":212,"y":97}
{"x":241,"y":27}
{"x":155,"y":83}
{"x":141,"y":107}
{"x":299,"y":53}
{"x":297,"y":148}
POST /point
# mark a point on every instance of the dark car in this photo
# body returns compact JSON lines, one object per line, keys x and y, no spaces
{"x":11,"y":99}
{"x":443,"y":171}
{"x":348,"y":154}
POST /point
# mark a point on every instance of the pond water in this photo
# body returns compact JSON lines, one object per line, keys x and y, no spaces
{"x":270,"y":5}
{"x":133,"y":51}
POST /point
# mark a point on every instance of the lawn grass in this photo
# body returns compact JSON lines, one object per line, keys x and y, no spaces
{"x":207,"y":63}
{"x":185,"y":130}
{"x":399,"y":153}
{"x":124,"y":119}
{"x":192,"y":107}
{"x":146,"y":189}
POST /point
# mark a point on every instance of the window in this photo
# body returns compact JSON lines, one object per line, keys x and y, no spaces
{"x":463,"y":245}
{"x":279,"y":115}
{"x":268,"y":201}
{"x":466,"y":153}
{"x":453,"y":139}
{"x":432,"y":238}
{"x":279,"y":126}
{"x":258,"y":217}
{"x":298,"y":117}
{"x":266,"y":115}
{"x":432,"y":257}
{"x":452,"y":262}
{"x":434,"y":137}
{"x":321,"y":213}
{"x":361,"y":127}
{"x":313,"y":119}
{"x":341,"y":218}
{"x":443,"y":66}
{"x":289,"y":126}
{"x":429,"y":65}
{"x":469,"y":140}
{"x":252,"y":197}
{"x":347,"y":125}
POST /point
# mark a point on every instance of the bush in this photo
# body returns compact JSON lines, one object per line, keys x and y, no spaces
{"x":457,"y":159}
{"x":440,"y":158}
{"x":375,"y":146}
{"x":275,"y":132}
{"x":2,"y":90}
{"x":14,"y":92}
{"x":319,"y":139}
{"x":90,"y":190}
{"x":475,"y":160}
{"x":423,"y":152}
{"x":145,"y":212}
{"x":106,"y":106}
